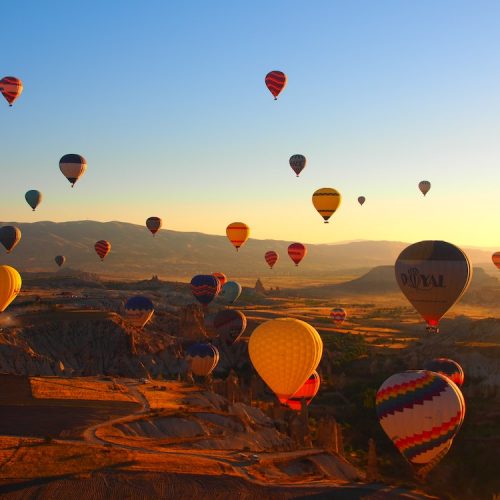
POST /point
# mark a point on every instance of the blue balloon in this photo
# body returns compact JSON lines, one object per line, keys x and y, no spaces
{"x":139,"y":303}
{"x":230,"y":292}
{"x":33,"y":197}
{"x":205,"y":288}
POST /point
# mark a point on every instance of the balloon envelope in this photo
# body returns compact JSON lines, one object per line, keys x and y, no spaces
{"x":10,"y":285}
{"x":433,"y":275}
{"x":102,"y":248}
{"x":202,"y":358}
{"x":446,"y":367}
{"x":33,"y":198}
{"x":237,"y":233}
{"x":496,"y":259}
{"x":338,"y":315}
{"x":424,"y":187}
{"x":72,"y":166}
{"x":153,"y":224}
{"x":139,"y":310}
{"x":271,"y":258}
{"x":60,"y":260}
{"x":276,"y":82}
{"x":230,"y":325}
{"x":421,"y":412}
{"x":230,"y":292}
{"x":298,"y":163}
{"x":308,"y":391}
{"x":205,"y":288}
{"x":221,"y":277}
{"x":11,"y":88}
{"x":326,"y":201}
{"x":296,"y":252}
{"x":361,"y":200}
{"x":10,"y":236}
{"x":285,"y":352}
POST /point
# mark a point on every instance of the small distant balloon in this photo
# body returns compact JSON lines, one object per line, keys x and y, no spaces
{"x":271,"y":258}
{"x":338,"y":315}
{"x":205,"y":288}
{"x":448,"y":368}
{"x":10,"y":236}
{"x":102,"y":248}
{"x":237,"y":233}
{"x":276,"y":82}
{"x":33,"y":198}
{"x":60,"y":260}
{"x":361,"y":200}
{"x":230,"y":325}
{"x":326,"y":201}
{"x":154,"y":224}
{"x":296,"y":252}
{"x":230,"y":292}
{"x":139,"y":310}
{"x":424,"y":187}
{"x":298,"y":163}
{"x":72,"y":166}
{"x":496,"y":259}
{"x":11,"y":88}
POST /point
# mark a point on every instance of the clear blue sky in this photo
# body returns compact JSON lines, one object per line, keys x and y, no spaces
{"x":167,"y":102}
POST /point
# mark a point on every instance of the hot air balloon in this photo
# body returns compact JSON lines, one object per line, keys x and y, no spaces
{"x":10,"y":236}
{"x":276,"y":82}
{"x":230,"y":325}
{"x":102,"y":248}
{"x":139,"y":310}
{"x":205,"y":288}
{"x":60,"y":260}
{"x":202,"y":358}
{"x":296,"y":252}
{"x":34,"y":198}
{"x":361,"y":200}
{"x":433,"y":275}
{"x":446,"y":367}
{"x":421,"y":412}
{"x":285,"y":352}
{"x":271,"y":258}
{"x":308,"y":391}
{"x":10,"y":285}
{"x":326,"y":201}
{"x":338,"y":315}
{"x":496,"y":259}
{"x":230,"y":292}
{"x":153,"y":224}
{"x":72,"y":166}
{"x":298,"y":163}
{"x":11,"y":88}
{"x":221,"y":277}
{"x":237,"y":233}
{"x":424,"y":186}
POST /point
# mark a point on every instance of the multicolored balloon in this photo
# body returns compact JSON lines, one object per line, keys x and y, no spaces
{"x":202,"y":358}
{"x":221,"y":277}
{"x":205,"y":288}
{"x":33,"y":198}
{"x":10,"y":236}
{"x":308,"y":391}
{"x":448,"y":368}
{"x":60,"y":260}
{"x":230,"y":325}
{"x":421,"y":412}
{"x":496,"y":259}
{"x":326,"y":201}
{"x":153,"y":224}
{"x":271,"y":258}
{"x":298,"y":163}
{"x":424,"y":187}
{"x":285,"y":352}
{"x":139,"y":310}
{"x":11,"y":88}
{"x":230,"y":292}
{"x":433,"y":275}
{"x":276,"y":82}
{"x":102,"y":248}
{"x":361,"y":200}
{"x":296,"y":252}
{"x":10,"y":286}
{"x":338,"y":315}
{"x":72,"y":166}
{"x":237,"y":233}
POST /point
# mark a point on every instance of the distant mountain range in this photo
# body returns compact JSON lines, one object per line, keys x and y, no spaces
{"x":136,"y":253}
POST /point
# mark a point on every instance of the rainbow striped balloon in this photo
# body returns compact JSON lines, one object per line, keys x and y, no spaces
{"x":276,"y":82}
{"x":421,"y":412}
{"x":448,"y":368}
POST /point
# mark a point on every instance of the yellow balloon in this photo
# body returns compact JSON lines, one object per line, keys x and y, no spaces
{"x":10,"y":285}
{"x":326,"y":201}
{"x":237,"y":233}
{"x":285,"y":352}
